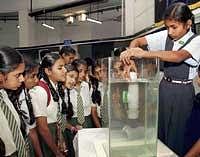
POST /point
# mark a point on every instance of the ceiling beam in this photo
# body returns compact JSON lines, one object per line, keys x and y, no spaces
{"x":69,"y":5}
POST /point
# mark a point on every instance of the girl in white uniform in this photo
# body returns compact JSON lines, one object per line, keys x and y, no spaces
{"x":79,"y":90}
{"x":179,"y":48}
{"x":46,"y":106}
{"x":11,"y":69}
{"x":30,"y":80}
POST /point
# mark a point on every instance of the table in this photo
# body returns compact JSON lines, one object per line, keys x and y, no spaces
{"x":87,"y":141}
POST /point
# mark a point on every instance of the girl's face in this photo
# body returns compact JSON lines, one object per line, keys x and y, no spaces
{"x":13,"y":79}
{"x":83,"y":72}
{"x":177,"y":29}
{"x":69,"y":58}
{"x":71,"y":79}
{"x":57,"y":71}
{"x":31,"y":79}
{"x":98,"y":73}
{"x":118,"y":70}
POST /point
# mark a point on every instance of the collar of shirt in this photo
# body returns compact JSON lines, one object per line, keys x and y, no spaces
{"x":183,"y":39}
{"x":52,"y":83}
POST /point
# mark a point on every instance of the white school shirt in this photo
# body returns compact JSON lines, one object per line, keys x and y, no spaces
{"x":24,"y":108}
{"x":5,"y":132}
{"x":156,"y":42}
{"x":85,"y":95}
{"x":39,"y":100}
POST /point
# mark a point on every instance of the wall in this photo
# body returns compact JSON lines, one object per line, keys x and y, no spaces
{"x":139,"y":14}
{"x":9,"y":34}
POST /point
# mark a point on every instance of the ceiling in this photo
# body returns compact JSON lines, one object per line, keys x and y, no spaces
{"x":39,"y":4}
{"x":97,"y":9}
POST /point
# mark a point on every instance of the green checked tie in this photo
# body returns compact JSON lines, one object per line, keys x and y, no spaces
{"x":80,"y":109}
{"x":16,"y":132}
{"x":60,"y":118}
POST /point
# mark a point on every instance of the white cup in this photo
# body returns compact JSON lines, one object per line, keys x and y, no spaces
{"x":133,"y":76}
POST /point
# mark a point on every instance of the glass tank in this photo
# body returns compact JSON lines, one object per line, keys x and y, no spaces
{"x":132,"y":106}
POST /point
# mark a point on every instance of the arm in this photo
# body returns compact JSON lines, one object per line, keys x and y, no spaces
{"x":138,"y":42}
{"x":95,"y":117}
{"x":195,"y":150}
{"x":35,"y":142}
{"x":170,"y":56}
{"x":46,"y":135}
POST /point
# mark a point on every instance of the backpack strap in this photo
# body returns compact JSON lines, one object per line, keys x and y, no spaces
{"x":46,"y":88}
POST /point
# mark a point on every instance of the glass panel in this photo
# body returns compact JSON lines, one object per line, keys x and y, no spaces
{"x":132,"y":106}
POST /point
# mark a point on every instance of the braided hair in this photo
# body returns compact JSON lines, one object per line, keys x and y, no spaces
{"x":30,"y":65}
{"x":47,"y":62}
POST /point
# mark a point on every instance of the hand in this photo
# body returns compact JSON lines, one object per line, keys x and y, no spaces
{"x":132,"y":52}
{"x":74,"y":129}
{"x":137,"y":52}
{"x":79,"y":127}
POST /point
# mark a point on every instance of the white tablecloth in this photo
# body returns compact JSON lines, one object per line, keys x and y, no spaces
{"x":87,"y":141}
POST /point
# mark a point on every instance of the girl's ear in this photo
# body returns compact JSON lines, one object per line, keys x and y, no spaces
{"x":2,"y":78}
{"x":47,"y":71}
{"x":189,"y":23}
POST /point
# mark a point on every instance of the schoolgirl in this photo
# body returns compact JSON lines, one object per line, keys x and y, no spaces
{"x":30,"y":80}
{"x":11,"y":78}
{"x":47,"y":107}
{"x":178,"y":47}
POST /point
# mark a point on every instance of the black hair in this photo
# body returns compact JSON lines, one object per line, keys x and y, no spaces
{"x":96,"y":64}
{"x":47,"y":62}
{"x":119,"y":50}
{"x":89,"y":61}
{"x":96,"y":94}
{"x":78,"y":62}
{"x":179,"y":12}
{"x":9,"y":59}
{"x":70,"y":67}
{"x":44,"y":52}
{"x":30,"y":65}
{"x":66,"y":50}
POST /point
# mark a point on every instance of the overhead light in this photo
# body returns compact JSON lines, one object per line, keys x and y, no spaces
{"x":18,"y":26}
{"x":70,"y":19}
{"x":93,"y":20}
{"x":82,"y":17}
{"x":48,"y":26}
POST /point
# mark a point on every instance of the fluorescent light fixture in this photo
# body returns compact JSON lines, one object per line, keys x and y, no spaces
{"x":70,"y":19}
{"x":94,"y":21}
{"x":48,"y":26}
{"x":82,"y":17}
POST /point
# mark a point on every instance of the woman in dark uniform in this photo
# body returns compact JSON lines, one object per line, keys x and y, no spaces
{"x":178,"y":48}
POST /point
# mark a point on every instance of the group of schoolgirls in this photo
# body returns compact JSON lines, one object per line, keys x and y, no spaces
{"x":50,"y":101}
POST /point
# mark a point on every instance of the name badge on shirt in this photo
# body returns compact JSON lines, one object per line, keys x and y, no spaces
{"x":181,"y":42}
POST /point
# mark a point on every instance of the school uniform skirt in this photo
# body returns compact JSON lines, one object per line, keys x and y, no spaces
{"x":45,"y":148}
{"x":175,"y":106}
